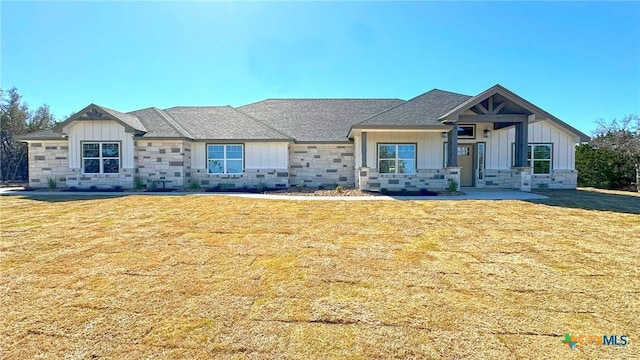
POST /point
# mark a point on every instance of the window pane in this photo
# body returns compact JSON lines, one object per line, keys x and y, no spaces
{"x":406,"y":151}
{"x":234,"y":151}
{"x":466,"y":131}
{"x":216,"y":167}
{"x":386,"y":151}
{"x":111,"y":166}
{"x":387,"y":166}
{"x":234,"y":166}
{"x":529,"y":152}
{"x":90,"y":150}
{"x":110,"y":150}
{"x":91,"y":166}
{"x":542,"y":152}
{"x":541,"y":167}
{"x":215,"y":151}
{"x":406,"y":167}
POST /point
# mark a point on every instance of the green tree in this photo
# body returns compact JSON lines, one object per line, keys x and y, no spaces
{"x":623,"y":138}
{"x":602,"y":168}
{"x":16,"y":119}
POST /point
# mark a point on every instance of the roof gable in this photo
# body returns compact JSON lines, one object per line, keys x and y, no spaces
{"x":511,"y":99}
{"x":95,"y":112}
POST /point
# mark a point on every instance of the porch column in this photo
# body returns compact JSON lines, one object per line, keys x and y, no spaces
{"x":452,"y":147}
{"x":364,"y":148}
{"x":522,"y":144}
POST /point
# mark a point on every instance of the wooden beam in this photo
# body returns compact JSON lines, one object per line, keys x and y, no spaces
{"x":499,"y":107}
{"x":498,"y":126}
{"x":482,"y":108}
{"x":363,"y":150}
{"x":490,"y":108}
{"x":493,"y":118}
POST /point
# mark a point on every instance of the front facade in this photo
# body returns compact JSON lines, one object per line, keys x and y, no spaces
{"x":494,"y":139}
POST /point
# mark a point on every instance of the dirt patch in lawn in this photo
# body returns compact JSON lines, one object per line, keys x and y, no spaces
{"x":220,"y":277}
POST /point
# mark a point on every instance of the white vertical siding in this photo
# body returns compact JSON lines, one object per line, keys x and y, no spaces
{"x":266,"y":155}
{"x":257,"y":155}
{"x":82,"y":131}
{"x":430,"y":149}
{"x":198,"y":155}
{"x":499,"y":145}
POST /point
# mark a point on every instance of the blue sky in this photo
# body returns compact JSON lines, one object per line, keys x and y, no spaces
{"x":578,"y":60}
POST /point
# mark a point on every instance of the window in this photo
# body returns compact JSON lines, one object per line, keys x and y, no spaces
{"x":101,"y":158}
{"x":481,"y":160}
{"x":466,"y":131}
{"x":538,"y":158}
{"x":397,"y":158}
{"x":225,"y":159}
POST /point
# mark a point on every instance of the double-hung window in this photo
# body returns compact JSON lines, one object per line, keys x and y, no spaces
{"x":538,"y":158}
{"x":100,"y":157}
{"x":397,"y":158}
{"x":225,"y":158}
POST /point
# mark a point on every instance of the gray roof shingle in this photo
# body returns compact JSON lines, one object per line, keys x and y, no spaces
{"x":47,"y":134}
{"x":222,"y":123}
{"x":423,"y":110}
{"x":158,"y":124}
{"x":321,"y":120}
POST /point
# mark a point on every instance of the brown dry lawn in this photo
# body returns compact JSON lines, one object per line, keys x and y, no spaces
{"x":219,"y":277}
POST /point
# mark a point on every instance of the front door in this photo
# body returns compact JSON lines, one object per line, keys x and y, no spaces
{"x":465,"y":161}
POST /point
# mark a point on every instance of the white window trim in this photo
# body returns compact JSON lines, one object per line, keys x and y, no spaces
{"x":549,"y":160}
{"x":224,"y":159}
{"x":530,"y":160}
{"x":415,"y":163}
{"x":100,"y":157}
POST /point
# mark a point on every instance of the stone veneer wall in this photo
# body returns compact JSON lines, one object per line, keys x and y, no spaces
{"x":48,"y":159}
{"x":251,"y":178}
{"x":430,"y":179}
{"x":159,"y":162}
{"x":559,"y":179}
{"x":322,"y":164}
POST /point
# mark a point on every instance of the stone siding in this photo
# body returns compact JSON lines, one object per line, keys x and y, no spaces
{"x":498,"y":179}
{"x":430,"y":179}
{"x":123,"y":179}
{"x":48,"y":159}
{"x":322,"y":164}
{"x":250,"y":178}
{"x":559,"y":179}
{"x":162,"y":163}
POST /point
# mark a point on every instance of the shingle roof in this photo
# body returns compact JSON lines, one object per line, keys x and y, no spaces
{"x":322,"y":120}
{"x":47,"y":134}
{"x":222,"y":123}
{"x":423,"y":110}
{"x":158,"y":124}
{"x":128,"y":119}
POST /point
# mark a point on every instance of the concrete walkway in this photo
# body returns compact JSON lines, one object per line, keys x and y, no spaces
{"x":471,"y":194}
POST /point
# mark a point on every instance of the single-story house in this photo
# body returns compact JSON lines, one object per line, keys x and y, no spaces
{"x":495,"y":139}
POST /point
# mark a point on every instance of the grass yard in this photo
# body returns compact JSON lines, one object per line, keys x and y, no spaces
{"x":221,"y":277}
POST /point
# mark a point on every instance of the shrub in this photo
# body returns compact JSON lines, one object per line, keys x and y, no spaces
{"x":93,"y":188}
{"x":261,"y":187}
{"x":53,"y":184}
{"x":138,"y":183}
{"x":403,"y":191}
{"x":194,"y":184}
{"x":339,"y":189}
{"x":223,"y":187}
{"x":117,"y":188}
{"x":453,"y":186}
{"x":320,"y":187}
{"x":384,"y":191}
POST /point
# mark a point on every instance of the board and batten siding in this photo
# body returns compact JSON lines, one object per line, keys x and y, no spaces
{"x":257,"y":155}
{"x":83,"y":131}
{"x":499,"y":145}
{"x":429,"y":152}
